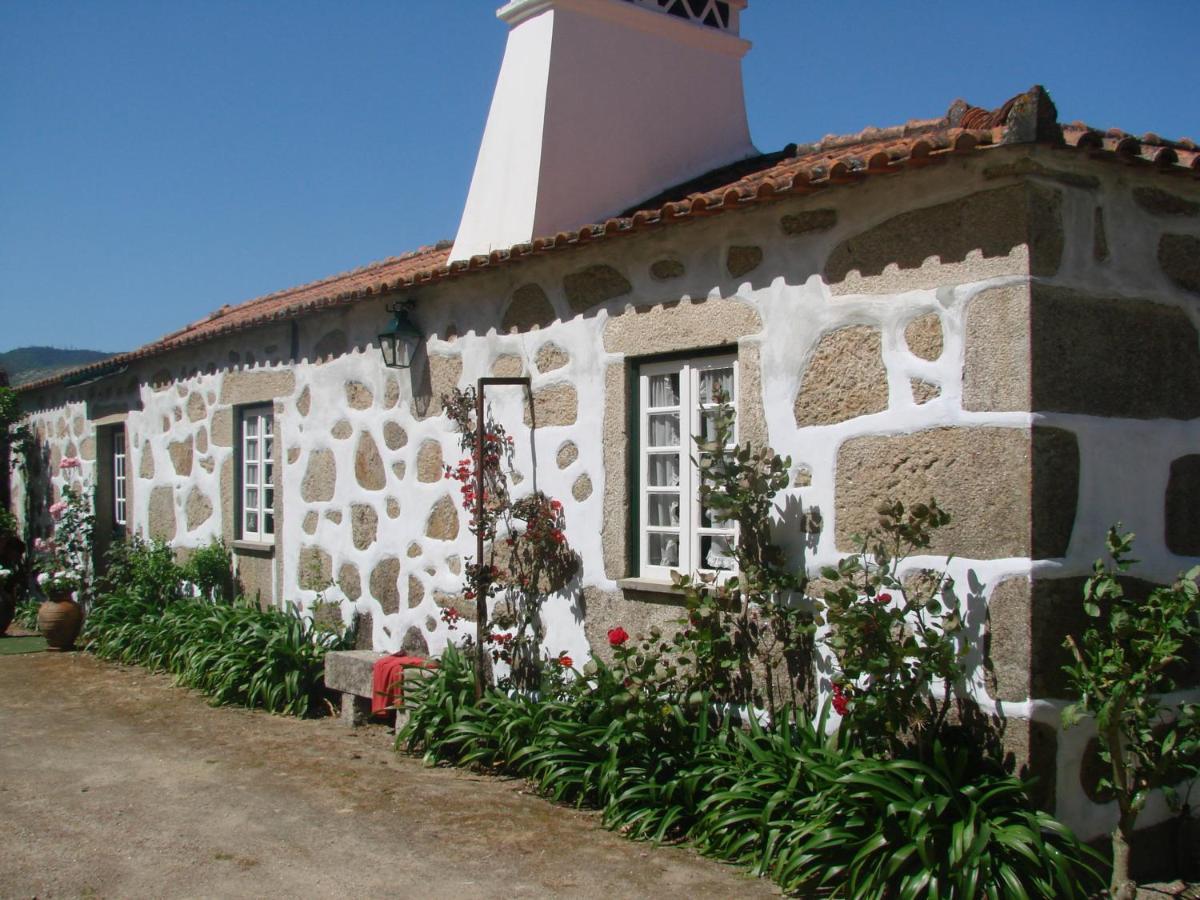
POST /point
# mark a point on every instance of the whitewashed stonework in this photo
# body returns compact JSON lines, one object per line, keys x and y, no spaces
{"x":776,"y":315}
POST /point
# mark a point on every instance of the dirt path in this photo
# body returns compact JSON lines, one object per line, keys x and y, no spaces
{"x":114,"y":783}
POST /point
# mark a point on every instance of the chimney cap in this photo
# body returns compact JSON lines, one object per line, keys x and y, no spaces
{"x":722,"y":15}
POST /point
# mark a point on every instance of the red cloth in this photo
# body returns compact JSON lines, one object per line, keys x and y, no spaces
{"x":387,"y":680}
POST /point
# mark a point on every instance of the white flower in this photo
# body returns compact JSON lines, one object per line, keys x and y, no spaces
{"x":42,"y":578}
{"x":4,"y":573}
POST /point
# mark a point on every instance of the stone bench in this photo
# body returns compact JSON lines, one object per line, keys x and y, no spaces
{"x":351,"y":672}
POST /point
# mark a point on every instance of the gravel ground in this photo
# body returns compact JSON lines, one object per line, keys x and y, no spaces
{"x":115,"y":783}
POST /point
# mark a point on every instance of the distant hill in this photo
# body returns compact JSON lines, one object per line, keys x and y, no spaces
{"x":26,"y":364}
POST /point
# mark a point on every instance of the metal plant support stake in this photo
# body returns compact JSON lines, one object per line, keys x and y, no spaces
{"x":481,"y":611}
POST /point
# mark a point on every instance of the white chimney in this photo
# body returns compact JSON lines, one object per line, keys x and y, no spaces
{"x":601,"y":104}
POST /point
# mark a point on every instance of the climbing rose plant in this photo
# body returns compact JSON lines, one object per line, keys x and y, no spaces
{"x":528,"y":556}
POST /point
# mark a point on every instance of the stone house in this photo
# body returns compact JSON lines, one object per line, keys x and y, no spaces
{"x":990,"y":307}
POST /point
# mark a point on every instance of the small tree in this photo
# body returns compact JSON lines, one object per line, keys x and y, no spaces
{"x":751,"y":619}
{"x":1130,"y":656}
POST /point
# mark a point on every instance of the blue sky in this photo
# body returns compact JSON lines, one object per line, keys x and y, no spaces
{"x":160,"y":159}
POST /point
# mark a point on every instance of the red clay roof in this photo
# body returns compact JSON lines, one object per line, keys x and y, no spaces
{"x":799,"y":169}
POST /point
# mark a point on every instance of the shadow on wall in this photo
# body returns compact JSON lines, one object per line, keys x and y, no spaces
{"x":421,"y":373}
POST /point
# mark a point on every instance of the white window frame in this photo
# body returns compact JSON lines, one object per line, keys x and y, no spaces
{"x":690,"y":532}
{"x":256,"y":474}
{"x":120,"y":479}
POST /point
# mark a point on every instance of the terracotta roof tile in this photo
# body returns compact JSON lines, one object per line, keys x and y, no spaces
{"x":798,"y":169}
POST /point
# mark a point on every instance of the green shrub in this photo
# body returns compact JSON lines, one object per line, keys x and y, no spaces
{"x":210,"y":569}
{"x":140,"y":570}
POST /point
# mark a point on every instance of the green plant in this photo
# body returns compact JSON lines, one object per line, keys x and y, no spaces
{"x":1127,"y":659}
{"x":26,"y":613}
{"x":904,"y":828}
{"x":893,"y":640}
{"x":141,"y":570}
{"x":790,"y":800}
{"x":236,"y":653}
{"x":210,"y":569}
{"x":10,"y":407}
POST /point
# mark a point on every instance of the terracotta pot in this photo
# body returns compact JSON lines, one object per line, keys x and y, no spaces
{"x":59,"y":620}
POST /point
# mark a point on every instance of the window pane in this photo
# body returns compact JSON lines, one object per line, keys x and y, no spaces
{"x":251,"y":498}
{"x":664,"y":549}
{"x":708,"y":519}
{"x":663,"y":469}
{"x":663,"y":509}
{"x":664,"y":430}
{"x":664,"y":390}
{"x":251,"y":522}
{"x":251,"y":475}
{"x":716,"y":383}
{"x":708,"y":426}
{"x":267,"y":423}
{"x":251,"y":451}
{"x":716,"y":552}
{"x":268,"y":448}
{"x":268,"y":524}
{"x":268,"y":498}
{"x":250,"y":425}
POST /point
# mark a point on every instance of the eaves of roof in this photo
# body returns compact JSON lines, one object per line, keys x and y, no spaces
{"x":797,"y":170}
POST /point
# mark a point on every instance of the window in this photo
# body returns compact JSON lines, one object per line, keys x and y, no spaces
{"x":112,"y":487}
{"x":676,"y":400}
{"x":257,"y":471}
{"x":120,"y":496}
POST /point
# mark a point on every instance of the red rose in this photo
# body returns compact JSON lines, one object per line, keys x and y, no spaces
{"x":883,"y":598}
{"x":841,"y":703}
{"x":617,"y":636}
{"x":565,"y":661}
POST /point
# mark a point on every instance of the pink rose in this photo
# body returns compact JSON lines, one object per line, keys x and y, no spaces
{"x":69,"y":462}
{"x":57,"y":509}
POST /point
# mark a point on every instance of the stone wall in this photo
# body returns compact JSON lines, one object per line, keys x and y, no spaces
{"x":972,"y":331}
